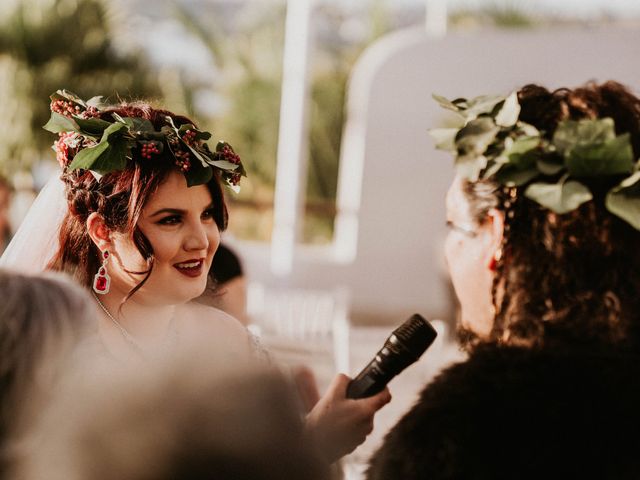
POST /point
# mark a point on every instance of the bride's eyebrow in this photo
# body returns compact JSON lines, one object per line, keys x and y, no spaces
{"x":173,"y":211}
{"x":177,"y":211}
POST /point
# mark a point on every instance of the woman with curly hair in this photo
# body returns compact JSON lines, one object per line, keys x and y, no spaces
{"x":544,"y":217}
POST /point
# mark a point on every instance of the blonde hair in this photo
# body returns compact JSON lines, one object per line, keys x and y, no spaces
{"x":182,"y":418}
{"x":41,"y":321}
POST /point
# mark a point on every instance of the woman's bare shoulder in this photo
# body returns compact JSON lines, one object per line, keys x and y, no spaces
{"x":198,"y":320}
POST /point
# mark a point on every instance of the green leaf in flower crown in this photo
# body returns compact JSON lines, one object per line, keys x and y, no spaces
{"x":95,"y":102}
{"x":493,"y":168}
{"x":92,"y":127}
{"x":198,"y":155}
{"x":103,"y":158}
{"x":114,"y":158}
{"x":69,"y":97}
{"x":88,"y":156}
{"x":509,"y":112}
{"x":522,"y":152}
{"x":527,"y":130}
{"x":198,"y":175}
{"x":59,"y":124}
{"x":115,"y":129}
{"x":447,"y":104}
{"x":121,"y":120}
{"x":240,"y":169}
{"x":223,"y":165}
{"x":204,"y":136}
{"x":444,"y":138}
{"x":140,"y":125}
{"x":108,"y":155}
{"x":513,"y":177}
{"x":571,"y":133}
{"x":548,"y":166}
{"x":561,"y":197}
{"x":481,"y":105}
{"x":516,"y":164}
{"x":470,"y":166}
{"x":476,"y":136}
{"x":612,"y":157}
{"x":623,"y":200}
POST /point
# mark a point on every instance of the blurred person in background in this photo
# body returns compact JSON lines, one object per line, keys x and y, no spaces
{"x":5,"y":202}
{"x":544,"y":217}
{"x":42,"y":322}
{"x":143,"y":216}
{"x":229,"y":284}
{"x":182,"y":417}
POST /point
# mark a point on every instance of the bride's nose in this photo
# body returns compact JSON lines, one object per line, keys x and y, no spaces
{"x":196,"y":238}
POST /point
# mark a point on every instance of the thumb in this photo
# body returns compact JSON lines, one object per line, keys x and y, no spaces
{"x":379,"y":400}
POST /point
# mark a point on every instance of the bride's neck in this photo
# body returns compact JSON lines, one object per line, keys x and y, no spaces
{"x":144,"y":321}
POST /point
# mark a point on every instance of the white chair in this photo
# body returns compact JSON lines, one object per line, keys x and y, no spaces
{"x":302,"y":327}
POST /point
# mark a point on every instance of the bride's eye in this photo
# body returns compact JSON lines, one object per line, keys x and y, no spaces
{"x":207,"y":214}
{"x":170,"y":220}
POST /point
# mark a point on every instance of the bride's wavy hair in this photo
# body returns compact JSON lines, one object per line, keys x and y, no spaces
{"x":573,"y":276}
{"x":119,"y":198}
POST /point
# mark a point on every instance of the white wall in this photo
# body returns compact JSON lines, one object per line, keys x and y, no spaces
{"x":388,"y":239}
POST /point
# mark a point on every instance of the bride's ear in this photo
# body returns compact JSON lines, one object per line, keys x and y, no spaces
{"x":99,"y":232}
{"x":495,"y":223}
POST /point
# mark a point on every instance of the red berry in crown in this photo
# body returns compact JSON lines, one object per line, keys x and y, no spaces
{"x":147,"y":150}
{"x":189,"y":137}
{"x":65,"y":147}
{"x":183,"y":161}
{"x":229,"y":155}
{"x":64,"y":107}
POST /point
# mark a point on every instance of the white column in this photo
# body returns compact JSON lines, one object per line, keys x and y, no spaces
{"x":436,"y":17}
{"x":293,"y":137}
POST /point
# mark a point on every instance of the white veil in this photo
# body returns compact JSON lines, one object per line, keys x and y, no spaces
{"x":36,"y":240}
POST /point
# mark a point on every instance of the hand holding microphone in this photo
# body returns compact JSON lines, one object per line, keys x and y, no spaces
{"x":343,"y":417}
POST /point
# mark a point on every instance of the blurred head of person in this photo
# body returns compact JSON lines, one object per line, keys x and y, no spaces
{"x":177,"y":419}
{"x":544,"y":216}
{"x":42,"y":320}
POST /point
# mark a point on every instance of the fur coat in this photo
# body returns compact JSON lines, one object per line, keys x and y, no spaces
{"x":512,"y":413}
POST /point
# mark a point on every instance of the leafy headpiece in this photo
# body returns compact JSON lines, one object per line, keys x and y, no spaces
{"x":492,"y":142}
{"x":95,"y":139}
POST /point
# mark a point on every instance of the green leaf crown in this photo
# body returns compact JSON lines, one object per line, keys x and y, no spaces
{"x":491,"y":142}
{"x":89,"y":140}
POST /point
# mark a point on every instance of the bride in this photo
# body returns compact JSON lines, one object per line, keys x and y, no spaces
{"x":143,"y":215}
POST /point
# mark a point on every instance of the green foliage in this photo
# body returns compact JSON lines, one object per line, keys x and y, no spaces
{"x":120,"y":137}
{"x":493,"y":144}
{"x":46,"y":46}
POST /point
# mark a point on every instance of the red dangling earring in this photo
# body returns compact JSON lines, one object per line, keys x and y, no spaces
{"x":493,"y":263}
{"x":102,"y":281}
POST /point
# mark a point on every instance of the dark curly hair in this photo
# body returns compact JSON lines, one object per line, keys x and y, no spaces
{"x":119,"y":198}
{"x":574,"y":276}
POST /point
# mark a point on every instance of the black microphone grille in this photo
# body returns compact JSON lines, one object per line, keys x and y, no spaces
{"x":415,"y":334}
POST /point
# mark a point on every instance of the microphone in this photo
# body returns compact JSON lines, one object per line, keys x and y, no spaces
{"x":404,"y":346}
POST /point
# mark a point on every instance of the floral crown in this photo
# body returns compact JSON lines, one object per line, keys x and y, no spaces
{"x":90,"y":142}
{"x":492,"y":142}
